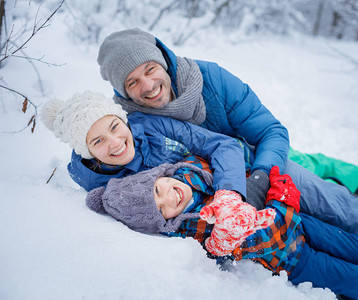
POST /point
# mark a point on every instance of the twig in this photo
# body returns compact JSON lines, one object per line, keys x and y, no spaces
{"x":30,"y":61}
{"x":36,"y":71}
{"x":7,"y":43}
{"x":24,"y":109}
{"x":16,"y":92}
{"x":35,"y":20}
{"x":161,"y":13}
{"x":343,"y":55}
{"x":53,"y":172}
{"x":39,"y":60}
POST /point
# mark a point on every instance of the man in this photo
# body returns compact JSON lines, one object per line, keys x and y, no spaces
{"x":149,"y":77}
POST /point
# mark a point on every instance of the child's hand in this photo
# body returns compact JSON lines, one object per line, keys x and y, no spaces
{"x":235,"y":220}
{"x":222,"y":205}
{"x":283,"y":189}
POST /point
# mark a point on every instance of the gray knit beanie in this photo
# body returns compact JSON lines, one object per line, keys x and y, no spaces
{"x":123,"y":51}
{"x":130,"y":200}
{"x":72,"y":119}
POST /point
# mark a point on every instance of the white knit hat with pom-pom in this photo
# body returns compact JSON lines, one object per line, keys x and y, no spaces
{"x":71,"y":120}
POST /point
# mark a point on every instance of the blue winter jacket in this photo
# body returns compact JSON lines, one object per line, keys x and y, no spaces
{"x":159,"y":139}
{"x":232,"y":108}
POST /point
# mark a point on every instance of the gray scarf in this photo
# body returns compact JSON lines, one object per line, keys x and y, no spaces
{"x":188,"y":106}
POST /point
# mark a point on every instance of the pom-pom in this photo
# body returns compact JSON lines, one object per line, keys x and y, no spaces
{"x":50,"y":110}
{"x":94,"y":200}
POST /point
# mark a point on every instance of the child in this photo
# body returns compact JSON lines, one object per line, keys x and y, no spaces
{"x":175,"y":200}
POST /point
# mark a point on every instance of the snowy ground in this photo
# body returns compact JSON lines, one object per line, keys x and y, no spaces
{"x":53,"y":247}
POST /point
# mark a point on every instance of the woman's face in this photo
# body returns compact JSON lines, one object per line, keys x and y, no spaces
{"x":110,"y":140}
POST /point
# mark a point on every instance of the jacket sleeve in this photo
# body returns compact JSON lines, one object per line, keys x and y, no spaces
{"x":223,"y":152}
{"x":84,"y":176}
{"x":252,"y":120}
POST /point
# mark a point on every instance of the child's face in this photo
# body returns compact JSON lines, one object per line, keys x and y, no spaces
{"x":111,"y":141}
{"x":171,"y":196}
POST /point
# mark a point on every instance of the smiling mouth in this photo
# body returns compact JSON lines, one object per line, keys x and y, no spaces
{"x":155,"y":93}
{"x":120,"y":151}
{"x":179,"y":195}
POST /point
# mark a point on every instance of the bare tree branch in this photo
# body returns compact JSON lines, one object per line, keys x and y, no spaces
{"x":30,"y":61}
{"x":2,"y":15}
{"x":36,"y":29}
{"x":39,"y":60}
{"x":24,"y":109}
{"x":343,"y":55}
{"x":162,"y":12}
{"x":11,"y":49}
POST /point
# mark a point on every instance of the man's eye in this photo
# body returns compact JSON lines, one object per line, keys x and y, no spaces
{"x":157,"y":191}
{"x":131,"y":84}
{"x":151,"y":69}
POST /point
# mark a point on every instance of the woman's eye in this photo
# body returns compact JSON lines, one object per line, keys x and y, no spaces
{"x":97,"y":141}
{"x":157,"y":191}
{"x":115,"y":126}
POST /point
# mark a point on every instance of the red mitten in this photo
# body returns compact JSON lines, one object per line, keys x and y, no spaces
{"x":235,"y":221}
{"x":283,"y":189}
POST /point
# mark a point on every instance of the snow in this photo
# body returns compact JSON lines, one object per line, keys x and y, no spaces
{"x":53,"y":247}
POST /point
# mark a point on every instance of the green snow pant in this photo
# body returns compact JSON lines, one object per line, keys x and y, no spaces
{"x":328,"y":168}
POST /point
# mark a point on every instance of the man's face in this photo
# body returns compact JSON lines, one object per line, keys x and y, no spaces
{"x":149,"y":85}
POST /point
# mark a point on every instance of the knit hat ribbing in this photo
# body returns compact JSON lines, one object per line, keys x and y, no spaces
{"x":71,"y":120}
{"x":123,"y":51}
{"x":130,"y":200}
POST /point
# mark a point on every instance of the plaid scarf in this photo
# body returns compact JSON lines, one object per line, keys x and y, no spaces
{"x":204,"y":194}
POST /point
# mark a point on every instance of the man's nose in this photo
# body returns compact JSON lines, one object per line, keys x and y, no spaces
{"x":147,"y":84}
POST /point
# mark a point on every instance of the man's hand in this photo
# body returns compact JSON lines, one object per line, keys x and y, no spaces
{"x":235,"y":221}
{"x":283,"y":189}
